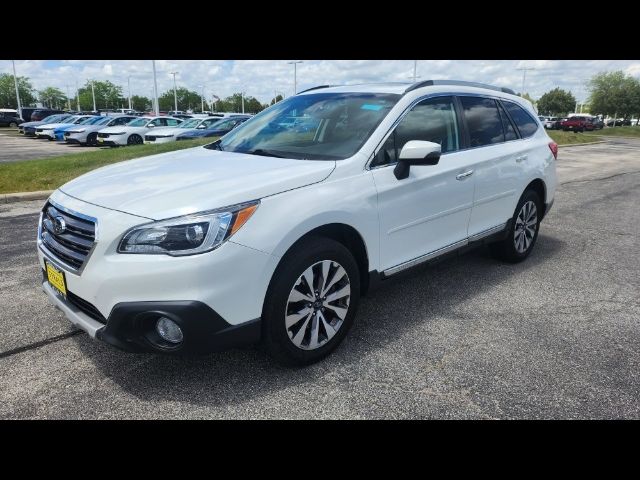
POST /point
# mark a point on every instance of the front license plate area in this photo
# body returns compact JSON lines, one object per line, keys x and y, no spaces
{"x":56,"y":279}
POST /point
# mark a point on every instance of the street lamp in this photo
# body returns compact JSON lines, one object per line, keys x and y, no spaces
{"x":129,"y":84}
{"x":214,"y":102}
{"x":15,"y":81}
{"x":93,"y":93}
{"x":201,"y":98}
{"x":175,"y":91}
{"x":295,"y":74}
{"x":155,"y":89}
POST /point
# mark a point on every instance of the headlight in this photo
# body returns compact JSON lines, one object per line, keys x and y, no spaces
{"x":78,"y":131}
{"x":163,"y":136}
{"x":188,"y":235}
{"x":117,"y":133}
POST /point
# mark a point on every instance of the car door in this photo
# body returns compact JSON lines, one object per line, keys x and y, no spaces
{"x":429,"y":210}
{"x":496,"y":148}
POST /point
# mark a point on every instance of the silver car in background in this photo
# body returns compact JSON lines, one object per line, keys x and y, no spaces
{"x":88,"y":134}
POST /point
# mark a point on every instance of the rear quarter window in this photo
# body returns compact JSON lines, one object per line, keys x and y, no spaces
{"x":523,"y":120}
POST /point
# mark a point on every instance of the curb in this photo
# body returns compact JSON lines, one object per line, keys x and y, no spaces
{"x":581,"y":144}
{"x":24,"y":196}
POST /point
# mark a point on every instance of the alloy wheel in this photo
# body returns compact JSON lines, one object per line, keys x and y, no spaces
{"x":526,"y":225}
{"x":317,"y":305}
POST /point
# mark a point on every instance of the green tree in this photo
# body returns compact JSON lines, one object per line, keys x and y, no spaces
{"x":233,"y":103}
{"x":187,"y":100}
{"x":614,"y":94}
{"x":276,"y":100}
{"x":8,"y":92}
{"x":556,"y":102}
{"x":139,"y":103}
{"x":108,"y":95}
{"x":52,"y":97}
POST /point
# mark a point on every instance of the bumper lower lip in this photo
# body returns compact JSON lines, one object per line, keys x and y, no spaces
{"x":130,"y":326}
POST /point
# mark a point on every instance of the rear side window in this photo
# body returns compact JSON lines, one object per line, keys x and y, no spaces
{"x":483,"y":121}
{"x":509,"y":131}
{"x":523,"y":120}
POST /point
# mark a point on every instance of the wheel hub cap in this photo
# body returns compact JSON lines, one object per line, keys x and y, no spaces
{"x":526,"y":226}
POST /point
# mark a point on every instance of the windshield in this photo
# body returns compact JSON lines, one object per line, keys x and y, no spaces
{"x":320,"y":126}
{"x":55,"y":118}
{"x":91,"y":120}
{"x":140,"y":122}
{"x":221,"y":124}
{"x":102,"y":120}
{"x":75,"y":120}
{"x":193,"y":123}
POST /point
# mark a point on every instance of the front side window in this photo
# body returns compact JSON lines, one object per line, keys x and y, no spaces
{"x":523,"y":120}
{"x":140,"y":122}
{"x":317,"y":126}
{"x":172,"y":122}
{"x":483,"y":121}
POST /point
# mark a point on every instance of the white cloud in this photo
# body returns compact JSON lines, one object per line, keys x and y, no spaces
{"x":261,"y":78}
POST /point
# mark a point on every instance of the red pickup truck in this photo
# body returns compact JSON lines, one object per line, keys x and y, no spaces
{"x":577,"y":124}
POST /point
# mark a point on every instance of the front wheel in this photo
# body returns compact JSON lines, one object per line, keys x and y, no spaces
{"x":134,"y":140}
{"x":13,"y":125}
{"x":523,"y":230}
{"x":92,"y":140}
{"x":311,"y":302}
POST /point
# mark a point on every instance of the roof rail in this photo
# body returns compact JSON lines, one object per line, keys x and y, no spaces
{"x":428,"y":83}
{"x":314,"y":88}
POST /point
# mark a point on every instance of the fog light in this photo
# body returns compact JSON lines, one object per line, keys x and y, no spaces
{"x":169,"y":330}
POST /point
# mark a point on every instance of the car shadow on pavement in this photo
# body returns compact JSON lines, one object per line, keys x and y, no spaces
{"x":236,"y":376}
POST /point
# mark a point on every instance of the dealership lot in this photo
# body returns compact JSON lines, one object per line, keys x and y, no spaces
{"x":17,"y":147}
{"x":554,"y":337}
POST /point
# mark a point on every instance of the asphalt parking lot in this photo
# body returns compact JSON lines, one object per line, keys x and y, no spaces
{"x":557,"y":336}
{"x":17,"y":147}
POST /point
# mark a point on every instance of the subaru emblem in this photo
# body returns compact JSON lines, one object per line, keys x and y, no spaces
{"x":59,"y":225}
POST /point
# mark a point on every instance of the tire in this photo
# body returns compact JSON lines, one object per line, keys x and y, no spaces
{"x":514,"y":248}
{"x":13,"y":125}
{"x":92,"y":139}
{"x":134,"y":139}
{"x":291,"y":340}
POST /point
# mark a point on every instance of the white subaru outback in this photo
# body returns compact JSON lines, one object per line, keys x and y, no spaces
{"x":272,"y":233}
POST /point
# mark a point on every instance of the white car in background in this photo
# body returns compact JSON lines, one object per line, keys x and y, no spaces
{"x":133,"y":133}
{"x":88,"y":134}
{"x":169,"y":134}
{"x":46,"y":131}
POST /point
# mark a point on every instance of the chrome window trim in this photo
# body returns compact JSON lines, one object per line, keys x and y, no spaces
{"x":376,"y":150}
{"x":50,"y":256}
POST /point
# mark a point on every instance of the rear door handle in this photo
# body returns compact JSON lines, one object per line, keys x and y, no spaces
{"x":521,"y":158}
{"x":462,"y":176}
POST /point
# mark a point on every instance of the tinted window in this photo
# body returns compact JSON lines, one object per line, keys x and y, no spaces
{"x":509,"y":131}
{"x":525,"y":122}
{"x":172,"y":122}
{"x":483,"y":121}
{"x":432,"y":120}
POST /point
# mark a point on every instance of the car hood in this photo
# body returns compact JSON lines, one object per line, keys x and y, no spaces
{"x":32,"y":124}
{"x":49,"y":126}
{"x":192,"y":180}
{"x":194,"y":132}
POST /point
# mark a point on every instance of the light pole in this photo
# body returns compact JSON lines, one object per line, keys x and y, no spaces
{"x":15,"y":81}
{"x":415,"y":71}
{"x":295,"y":74}
{"x":175,"y":91}
{"x":68,"y":98}
{"x":242,"y":98}
{"x":93,"y":93}
{"x":155,"y":89}
{"x":201,"y":98}
{"x":214,"y":102}
{"x":78,"y":97}
{"x":524,"y":76}
{"x":129,"y":84}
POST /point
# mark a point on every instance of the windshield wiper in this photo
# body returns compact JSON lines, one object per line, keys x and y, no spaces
{"x":265,"y":153}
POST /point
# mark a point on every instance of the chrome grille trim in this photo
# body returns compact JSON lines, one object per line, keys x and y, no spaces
{"x":71,"y":249}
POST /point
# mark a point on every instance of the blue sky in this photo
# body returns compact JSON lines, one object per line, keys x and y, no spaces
{"x":262,"y":78}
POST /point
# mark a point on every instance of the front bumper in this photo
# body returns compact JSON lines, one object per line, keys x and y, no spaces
{"x":112,"y":140}
{"x":131,"y":326}
{"x":159,"y":140}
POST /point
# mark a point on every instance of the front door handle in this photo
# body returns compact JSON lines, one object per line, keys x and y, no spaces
{"x":462,"y":176}
{"x":521,"y":158}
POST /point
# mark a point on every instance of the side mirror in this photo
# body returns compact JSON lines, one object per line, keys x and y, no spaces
{"x":201,"y":127}
{"x":416,"y":152}
{"x":151,"y":125}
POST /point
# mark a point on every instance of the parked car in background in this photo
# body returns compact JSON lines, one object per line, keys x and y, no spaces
{"x":272,"y":236}
{"x":169,"y":134}
{"x":597,"y":123}
{"x":620,"y":122}
{"x":28,"y":129}
{"x":133,"y":132}
{"x":42,"y":113}
{"x":47,"y":130}
{"x":552,"y":123}
{"x":60,"y":131}
{"x":25,"y":113}
{"x":217,"y":129}
{"x":10,"y":118}
{"x":577,"y":123}
{"x":88,"y":134}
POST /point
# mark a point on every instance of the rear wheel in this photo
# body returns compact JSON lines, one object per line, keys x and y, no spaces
{"x":523,"y":230}
{"x":13,"y":125}
{"x":311,"y":302}
{"x":134,"y":140}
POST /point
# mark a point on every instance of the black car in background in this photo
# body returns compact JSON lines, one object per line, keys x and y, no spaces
{"x":25,"y":112}
{"x":597,"y":123}
{"x":41,"y":113}
{"x":10,"y":119}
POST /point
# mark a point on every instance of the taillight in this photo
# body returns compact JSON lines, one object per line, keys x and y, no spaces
{"x":553,"y":146}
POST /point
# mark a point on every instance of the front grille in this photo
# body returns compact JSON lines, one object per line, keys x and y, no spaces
{"x":150,"y":138}
{"x":103,"y":135}
{"x":71,"y":245}
{"x":85,"y":307}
